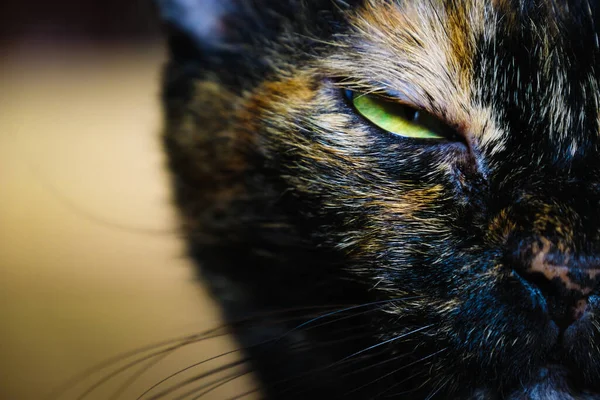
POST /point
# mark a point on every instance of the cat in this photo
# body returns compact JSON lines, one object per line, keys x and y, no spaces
{"x":394,"y":198}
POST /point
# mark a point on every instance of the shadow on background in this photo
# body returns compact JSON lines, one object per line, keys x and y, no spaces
{"x":90,"y":261}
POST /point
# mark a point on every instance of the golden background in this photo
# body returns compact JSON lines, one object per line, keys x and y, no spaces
{"x":91,"y":264}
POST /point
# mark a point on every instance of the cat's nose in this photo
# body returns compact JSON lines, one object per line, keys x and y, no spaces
{"x":565,"y":280}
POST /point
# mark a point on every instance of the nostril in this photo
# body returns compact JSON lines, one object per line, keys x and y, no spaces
{"x":580,"y":309}
{"x":565,"y":279}
{"x":566,"y":291}
{"x":540,"y":281}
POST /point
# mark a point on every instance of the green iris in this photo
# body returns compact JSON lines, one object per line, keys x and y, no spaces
{"x":398,"y":118}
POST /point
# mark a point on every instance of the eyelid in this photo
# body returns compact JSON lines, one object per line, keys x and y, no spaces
{"x":402,"y":98}
{"x":406,"y":94}
{"x":396,"y":97}
{"x":398,"y":100}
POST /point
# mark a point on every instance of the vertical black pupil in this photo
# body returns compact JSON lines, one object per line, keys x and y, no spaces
{"x":409,"y":113}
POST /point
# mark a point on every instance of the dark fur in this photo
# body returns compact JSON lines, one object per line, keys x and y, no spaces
{"x":291,"y":200}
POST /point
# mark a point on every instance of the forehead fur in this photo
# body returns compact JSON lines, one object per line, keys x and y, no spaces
{"x":543,"y":71}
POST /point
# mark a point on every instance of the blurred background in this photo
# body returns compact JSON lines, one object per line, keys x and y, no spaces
{"x":91,"y":265}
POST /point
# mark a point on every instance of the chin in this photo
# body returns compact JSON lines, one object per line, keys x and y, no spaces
{"x":553,"y":382}
{"x":568,"y":371}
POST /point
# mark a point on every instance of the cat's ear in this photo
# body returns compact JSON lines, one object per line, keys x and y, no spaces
{"x":195,"y":25}
{"x":207,"y":28}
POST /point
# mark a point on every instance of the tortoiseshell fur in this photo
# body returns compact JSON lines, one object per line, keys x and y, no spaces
{"x":290,"y":199}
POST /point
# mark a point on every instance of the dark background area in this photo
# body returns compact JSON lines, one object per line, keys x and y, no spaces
{"x":104,"y":20}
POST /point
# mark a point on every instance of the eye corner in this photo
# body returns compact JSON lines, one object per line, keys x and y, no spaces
{"x":348,"y":94}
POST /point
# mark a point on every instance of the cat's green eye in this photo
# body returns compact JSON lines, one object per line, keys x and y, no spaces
{"x":398,"y":118}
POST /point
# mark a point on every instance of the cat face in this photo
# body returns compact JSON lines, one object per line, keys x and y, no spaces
{"x":478,"y":242}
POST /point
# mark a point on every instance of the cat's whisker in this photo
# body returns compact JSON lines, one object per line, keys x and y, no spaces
{"x":56,"y":393}
{"x":333,"y":366}
{"x":204,"y":362}
{"x":159,"y":354}
{"x":401,"y":382}
{"x":137,"y":375}
{"x":174,"y":343}
{"x":336,"y":365}
{"x":82,"y":212}
{"x":389,"y":341}
{"x":244,"y":394}
{"x":394,"y":372}
{"x":349,"y":309}
{"x":438,"y":389}
{"x":189,"y":367}
{"x":405,"y":392}
{"x":341,"y":319}
{"x":368,"y":367}
{"x":353,"y":359}
{"x":298,"y":347}
{"x":129,"y":365}
{"x":422,"y":385}
{"x":295,"y":348}
{"x":215,"y":387}
{"x":341,"y":363}
{"x":193,"y":379}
